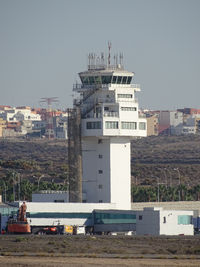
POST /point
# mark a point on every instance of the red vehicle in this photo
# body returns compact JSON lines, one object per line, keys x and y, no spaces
{"x":19,"y":226}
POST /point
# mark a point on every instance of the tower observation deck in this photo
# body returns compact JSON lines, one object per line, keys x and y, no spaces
{"x":109,"y":120}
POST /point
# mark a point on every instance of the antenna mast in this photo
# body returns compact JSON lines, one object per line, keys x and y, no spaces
{"x":109,"y":47}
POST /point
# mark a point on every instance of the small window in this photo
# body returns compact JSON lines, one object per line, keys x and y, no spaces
{"x":100,"y":171}
{"x":164,"y":219}
{"x":100,"y":201}
{"x":129,"y":125}
{"x":124,"y":80}
{"x":100,"y":186}
{"x":91,"y":80}
{"x":129,"y":80}
{"x":97,"y":79}
{"x":142,"y":125}
{"x":85,"y":80}
{"x":106,"y":79}
{"x":119,"y":79}
{"x":140,"y":217}
{"x":125,"y":96}
{"x":111,"y":124}
{"x":100,"y":156}
{"x":128,"y":108}
{"x":114,"y":79}
{"x":93,"y":125}
{"x":100,"y":141}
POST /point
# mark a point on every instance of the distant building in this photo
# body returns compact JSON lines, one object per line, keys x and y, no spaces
{"x":170,"y":122}
{"x":38,"y":125}
{"x":26,"y":127}
{"x":152,"y":124}
{"x":191,"y":124}
{"x":26,"y":114}
{"x":12,"y":129}
{"x":2,"y":126}
{"x":189,"y":111}
{"x":60,"y":127}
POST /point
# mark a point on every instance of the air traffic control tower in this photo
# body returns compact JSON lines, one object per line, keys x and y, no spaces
{"x":109,"y":120}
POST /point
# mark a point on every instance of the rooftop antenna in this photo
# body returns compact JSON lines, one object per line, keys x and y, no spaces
{"x":89,"y":59}
{"x":115,"y":61}
{"x":109,"y":47}
{"x":102,"y":58}
{"x":121,"y":59}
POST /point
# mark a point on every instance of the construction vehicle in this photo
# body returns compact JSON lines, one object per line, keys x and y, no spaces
{"x":19,"y":225}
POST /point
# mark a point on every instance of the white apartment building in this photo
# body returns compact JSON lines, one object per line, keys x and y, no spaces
{"x":110,"y":120}
{"x":26,"y":115}
{"x":16,"y":114}
{"x":8,"y":115}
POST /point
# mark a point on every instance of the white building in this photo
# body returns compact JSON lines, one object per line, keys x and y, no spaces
{"x":19,"y":114}
{"x":8,"y":114}
{"x":156,"y":221}
{"x":110,"y":120}
{"x":26,"y":114}
{"x":42,"y":213}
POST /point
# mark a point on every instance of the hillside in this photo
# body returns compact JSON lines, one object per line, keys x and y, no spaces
{"x":162,"y":156}
{"x":172,"y":162}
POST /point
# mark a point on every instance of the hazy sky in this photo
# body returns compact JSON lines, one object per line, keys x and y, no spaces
{"x":44,"y":44}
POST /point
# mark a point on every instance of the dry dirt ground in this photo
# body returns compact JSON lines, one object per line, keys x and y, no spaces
{"x":60,"y":261}
{"x":21,"y":250}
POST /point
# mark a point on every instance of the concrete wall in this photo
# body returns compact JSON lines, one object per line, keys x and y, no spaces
{"x":58,"y":196}
{"x":106,"y":171}
{"x":120,"y":172}
{"x":172,"y":205}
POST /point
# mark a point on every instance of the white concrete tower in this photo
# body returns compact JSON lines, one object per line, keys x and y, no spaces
{"x":110,"y":119}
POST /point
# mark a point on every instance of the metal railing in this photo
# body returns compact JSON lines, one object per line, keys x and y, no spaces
{"x":111,"y":114}
{"x":78,"y":87}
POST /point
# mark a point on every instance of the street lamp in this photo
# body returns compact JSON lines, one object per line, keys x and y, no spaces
{"x":39,"y":180}
{"x":19,"y":186}
{"x":5,"y":189}
{"x":179,"y":177}
{"x":14,"y":182}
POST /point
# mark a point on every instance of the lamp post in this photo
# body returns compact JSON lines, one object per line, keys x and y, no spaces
{"x":5,"y":189}
{"x":39,"y":180}
{"x":14,"y":182}
{"x":19,"y":186}
{"x":179,"y":177}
